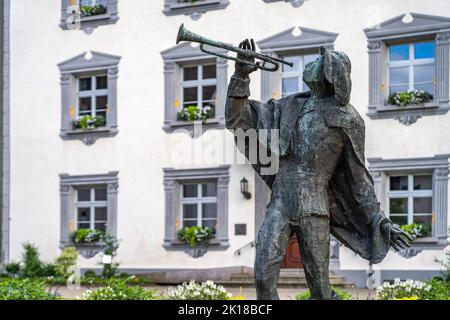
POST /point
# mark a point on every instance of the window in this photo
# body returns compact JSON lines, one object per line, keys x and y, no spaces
{"x":199,"y":86}
{"x":88,"y":202}
{"x":402,"y":59}
{"x":411,"y":199}
{"x":89,"y":14}
{"x":199,"y":205}
{"x":92,"y":208}
{"x":92,"y":96}
{"x":297,"y":45}
{"x":292,"y":78}
{"x":194,"y":79}
{"x":415,"y":190}
{"x":196,"y":197}
{"x":194,"y":9}
{"x":411,"y":67}
{"x":89,"y":97}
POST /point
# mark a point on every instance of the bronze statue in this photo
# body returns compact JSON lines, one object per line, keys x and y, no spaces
{"x":322,"y":186}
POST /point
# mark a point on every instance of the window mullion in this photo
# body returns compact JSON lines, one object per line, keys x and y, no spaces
{"x":410,"y":199}
{"x":199,"y":205}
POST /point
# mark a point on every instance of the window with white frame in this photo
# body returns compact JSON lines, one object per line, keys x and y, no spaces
{"x":292,"y":77}
{"x":411,"y":67}
{"x":92,"y":96}
{"x":199,"y":205}
{"x":92,"y":208}
{"x":411,"y":200}
{"x":199,"y":87}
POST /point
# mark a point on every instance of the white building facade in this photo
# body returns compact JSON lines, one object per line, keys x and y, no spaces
{"x":144,"y":169}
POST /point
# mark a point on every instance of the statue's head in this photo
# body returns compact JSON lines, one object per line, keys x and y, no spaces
{"x":330,"y":74}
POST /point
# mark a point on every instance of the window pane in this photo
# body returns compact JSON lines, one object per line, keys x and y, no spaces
{"x":399,"y":183}
{"x":290,"y":85}
{"x":398,"y":205}
{"x":100,"y":194}
{"x":399,"y":52}
{"x":209,"y":189}
{"x":209,"y":93}
{"x":426,"y":221}
{"x":400,"y":220}
{"x":189,"y":223}
{"x":84,"y":214}
{"x":189,"y":211}
{"x":101,"y":102}
{"x":424,"y":73}
{"x":424,"y":50}
{"x":422,"y":205}
{"x":190,"y":95}
{"x":101,"y":214}
{"x":84,"y":194}
{"x":210,"y":224}
{"x":394,"y":89}
{"x":209,"y":210}
{"x":310,"y":58}
{"x":190,"y":191}
{"x":85,"y":84}
{"x":398,"y":76}
{"x":427,"y":87}
{"x":84,"y":225}
{"x":85,"y":105}
{"x":100,"y":226}
{"x":190,"y":73}
{"x":102,"y":82}
{"x":209,"y":71}
{"x":423,"y":182}
{"x":292,"y":59}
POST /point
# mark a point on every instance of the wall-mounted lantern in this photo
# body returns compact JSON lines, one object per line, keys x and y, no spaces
{"x":244,"y":189}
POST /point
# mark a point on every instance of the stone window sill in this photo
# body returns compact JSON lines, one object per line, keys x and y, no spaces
{"x":215,"y":123}
{"x":89,"y":136}
{"x":407,"y":115}
{"x":429,"y":243}
{"x":176,"y":245}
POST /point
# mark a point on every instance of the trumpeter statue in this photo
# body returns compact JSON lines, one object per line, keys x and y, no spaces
{"x":322,"y":186}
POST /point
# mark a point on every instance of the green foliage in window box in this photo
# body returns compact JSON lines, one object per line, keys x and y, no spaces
{"x":66,"y":260}
{"x":413,"y":97}
{"x":88,"y":123}
{"x":87,"y":11}
{"x":87,"y":236}
{"x":342,"y":294}
{"x":197,"y":291}
{"x":417,"y":290}
{"x":194,"y":236}
{"x":25,"y":289}
{"x":416,"y":230}
{"x":118,"y":289}
{"x":194,"y":113}
{"x":13,"y":269}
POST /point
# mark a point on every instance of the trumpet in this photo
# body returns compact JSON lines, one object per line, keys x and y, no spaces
{"x":186,"y":35}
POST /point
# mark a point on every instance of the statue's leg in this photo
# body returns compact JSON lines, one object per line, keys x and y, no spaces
{"x":313,"y":234}
{"x":271,"y":246}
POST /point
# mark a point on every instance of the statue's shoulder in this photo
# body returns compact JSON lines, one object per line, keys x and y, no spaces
{"x":343,"y":117}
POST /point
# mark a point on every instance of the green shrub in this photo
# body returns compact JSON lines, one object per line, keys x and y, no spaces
{"x":342,"y":294}
{"x":90,"y":274}
{"x":66,"y":259}
{"x":12,"y":269}
{"x":195,"y":235}
{"x":198,"y":291}
{"x":48,"y":270}
{"x":31,"y":264}
{"x":118,"y":289}
{"x":25,"y":289}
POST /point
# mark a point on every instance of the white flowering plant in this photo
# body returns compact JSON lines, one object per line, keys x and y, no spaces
{"x":194,"y":113}
{"x":82,"y":236}
{"x":412,"y":97}
{"x":198,"y":291}
{"x":118,"y":289}
{"x":88,"y":122}
{"x":195,"y":235}
{"x":416,"y":230}
{"x":401,"y":290}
